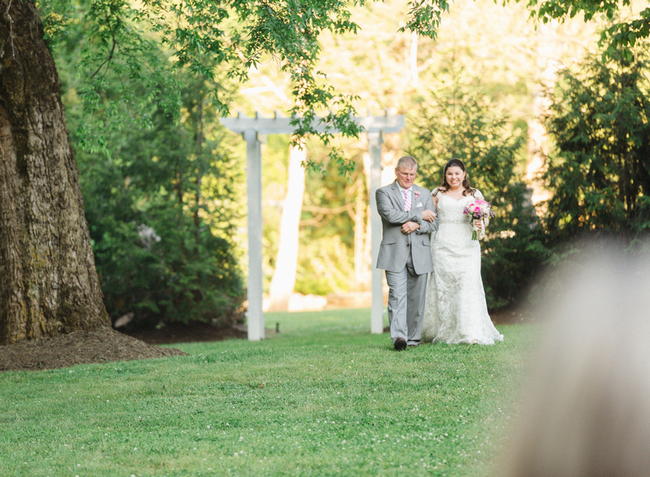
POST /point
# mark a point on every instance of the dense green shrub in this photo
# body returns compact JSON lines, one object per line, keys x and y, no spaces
{"x":600,"y":171}
{"x":157,"y":173}
{"x":159,"y":267}
{"x":160,"y":208}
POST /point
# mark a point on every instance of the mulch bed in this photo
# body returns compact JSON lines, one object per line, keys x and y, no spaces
{"x":97,"y":346}
{"x":188,"y":333}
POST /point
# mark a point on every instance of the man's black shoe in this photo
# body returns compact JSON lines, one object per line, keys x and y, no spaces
{"x":400,"y":344}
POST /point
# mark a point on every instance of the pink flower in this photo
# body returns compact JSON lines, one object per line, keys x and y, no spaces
{"x":478,"y":209}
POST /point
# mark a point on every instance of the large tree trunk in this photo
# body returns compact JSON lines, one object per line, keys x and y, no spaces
{"x":48,"y":281}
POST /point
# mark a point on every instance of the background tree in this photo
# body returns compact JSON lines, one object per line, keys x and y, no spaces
{"x":286,"y":261}
{"x":329,"y":220}
{"x":622,"y":33}
{"x":377,"y":63}
{"x":600,"y":173}
{"x":457,"y":121}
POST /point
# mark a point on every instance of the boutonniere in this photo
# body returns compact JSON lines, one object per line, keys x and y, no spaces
{"x":416,"y":194}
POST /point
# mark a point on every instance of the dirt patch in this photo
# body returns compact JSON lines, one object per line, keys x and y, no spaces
{"x":98,"y":346}
{"x":510,"y":316}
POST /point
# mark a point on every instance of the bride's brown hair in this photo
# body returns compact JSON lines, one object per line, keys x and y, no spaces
{"x":467,"y":188}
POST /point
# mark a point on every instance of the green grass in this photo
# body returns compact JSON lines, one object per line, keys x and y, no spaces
{"x":324,"y":397}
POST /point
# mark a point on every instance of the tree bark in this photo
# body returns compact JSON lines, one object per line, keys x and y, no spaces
{"x":48,"y":283}
{"x":286,"y":263}
{"x":361,"y":255}
{"x":548,"y":64}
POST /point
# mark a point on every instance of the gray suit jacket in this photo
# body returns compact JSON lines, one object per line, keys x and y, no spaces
{"x":394,"y":248}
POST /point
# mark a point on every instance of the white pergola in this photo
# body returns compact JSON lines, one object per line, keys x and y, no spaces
{"x":251,"y":129}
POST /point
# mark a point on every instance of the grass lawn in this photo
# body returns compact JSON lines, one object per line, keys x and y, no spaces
{"x":324,"y":397}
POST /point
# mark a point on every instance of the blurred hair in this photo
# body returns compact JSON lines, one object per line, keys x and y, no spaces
{"x":407,"y":162}
{"x":467,"y":188}
{"x":586,"y":409}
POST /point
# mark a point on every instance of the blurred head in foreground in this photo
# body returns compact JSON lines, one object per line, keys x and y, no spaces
{"x":586,"y":409}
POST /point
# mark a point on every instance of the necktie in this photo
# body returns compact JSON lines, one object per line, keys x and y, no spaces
{"x":407,"y":199}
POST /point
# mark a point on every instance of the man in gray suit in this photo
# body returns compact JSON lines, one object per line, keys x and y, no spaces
{"x":407,"y":218}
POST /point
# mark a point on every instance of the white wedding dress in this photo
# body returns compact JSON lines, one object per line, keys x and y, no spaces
{"x":455,"y":309}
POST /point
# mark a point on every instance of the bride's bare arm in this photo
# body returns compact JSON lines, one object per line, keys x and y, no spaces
{"x":434,"y":199}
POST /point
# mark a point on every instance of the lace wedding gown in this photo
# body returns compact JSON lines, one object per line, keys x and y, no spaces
{"x":455,"y":309}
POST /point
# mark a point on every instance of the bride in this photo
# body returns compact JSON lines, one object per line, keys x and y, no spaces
{"x":455,"y":309}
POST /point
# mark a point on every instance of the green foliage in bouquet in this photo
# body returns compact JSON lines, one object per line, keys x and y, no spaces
{"x":600,"y":173}
{"x":456,"y":121}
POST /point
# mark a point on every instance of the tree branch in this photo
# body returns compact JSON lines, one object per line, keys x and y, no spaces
{"x":109,"y":58}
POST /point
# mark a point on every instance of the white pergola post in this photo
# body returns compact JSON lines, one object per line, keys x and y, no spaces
{"x":255,"y":316}
{"x":375,"y":141}
{"x":250,"y":128}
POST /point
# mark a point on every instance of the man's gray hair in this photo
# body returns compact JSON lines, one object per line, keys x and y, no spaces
{"x":407,"y":162}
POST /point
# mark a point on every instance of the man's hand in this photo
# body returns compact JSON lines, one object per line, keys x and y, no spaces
{"x":428,"y":215}
{"x":410,"y":227}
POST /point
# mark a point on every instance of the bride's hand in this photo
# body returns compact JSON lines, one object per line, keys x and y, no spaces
{"x":428,"y":215}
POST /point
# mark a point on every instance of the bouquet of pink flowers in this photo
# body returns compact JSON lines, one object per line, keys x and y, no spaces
{"x":480,"y":210}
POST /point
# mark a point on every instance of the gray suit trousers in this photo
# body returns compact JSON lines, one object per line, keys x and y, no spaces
{"x":406,"y":302}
